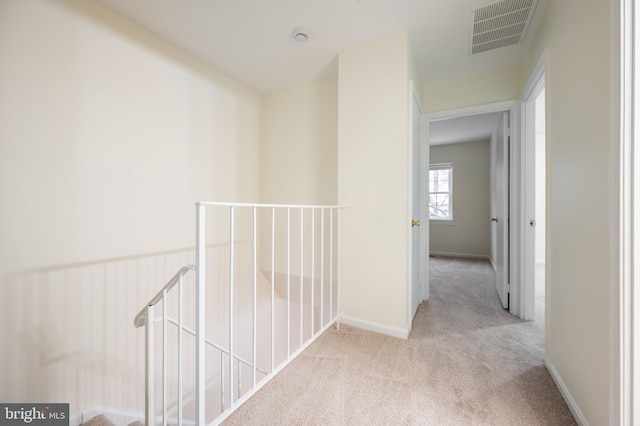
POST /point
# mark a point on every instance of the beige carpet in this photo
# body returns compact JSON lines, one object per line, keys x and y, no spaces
{"x":467,"y":362}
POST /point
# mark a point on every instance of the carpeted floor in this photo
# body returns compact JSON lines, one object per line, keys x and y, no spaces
{"x":467,"y":362}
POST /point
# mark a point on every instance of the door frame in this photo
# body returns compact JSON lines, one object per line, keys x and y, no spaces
{"x":535,"y":84}
{"x":514,"y":185}
{"x":624,"y":395}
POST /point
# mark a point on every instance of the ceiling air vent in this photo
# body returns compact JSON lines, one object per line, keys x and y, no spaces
{"x":500,"y":24}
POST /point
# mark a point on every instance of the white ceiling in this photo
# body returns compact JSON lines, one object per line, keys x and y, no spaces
{"x":250,"y":40}
{"x":469,"y":128}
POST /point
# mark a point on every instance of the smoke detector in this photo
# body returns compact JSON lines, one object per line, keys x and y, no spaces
{"x":300,"y":35}
{"x":500,"y":24}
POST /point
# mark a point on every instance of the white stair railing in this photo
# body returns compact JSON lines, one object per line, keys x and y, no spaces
{"x":147,"y":318}
{"x":266,"y":287}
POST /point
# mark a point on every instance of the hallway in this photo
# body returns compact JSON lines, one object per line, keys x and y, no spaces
{"x":467,"y":361}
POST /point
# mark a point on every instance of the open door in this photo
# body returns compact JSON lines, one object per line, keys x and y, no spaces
{"x":534,"y":177}
{"x":501,"y":210}
{"x":416,"y":202}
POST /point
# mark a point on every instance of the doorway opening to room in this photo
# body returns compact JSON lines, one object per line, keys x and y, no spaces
{"x":469,"y":201}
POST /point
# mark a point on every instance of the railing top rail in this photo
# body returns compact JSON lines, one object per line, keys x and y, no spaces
{"x":292,"y":206}
{"x":142,"y":316}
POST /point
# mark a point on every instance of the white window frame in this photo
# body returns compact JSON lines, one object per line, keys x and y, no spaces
{"x":442,"y":166}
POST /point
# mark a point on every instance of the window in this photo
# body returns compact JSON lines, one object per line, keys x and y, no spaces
{"x":441,"y":191}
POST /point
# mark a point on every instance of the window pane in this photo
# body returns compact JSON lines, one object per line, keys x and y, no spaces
{"x":440,"y":192}
{"x":439,"y":205}
{"x":439,"y":181}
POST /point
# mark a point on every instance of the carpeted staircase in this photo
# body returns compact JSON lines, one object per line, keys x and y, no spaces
{"x":102,"y":420}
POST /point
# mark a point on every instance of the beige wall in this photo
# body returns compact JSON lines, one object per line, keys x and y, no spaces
{"x":107,"y":137}
{"x":299,"y":142}
{"x":483,"y":88}
{"x":299,"y":161}
{"x":372,"y":181}
{"x":578,"y":242}
{"x":469,"y":233}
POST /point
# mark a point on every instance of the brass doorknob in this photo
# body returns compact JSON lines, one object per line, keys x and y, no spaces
{"x":415,"y":223}
{"x":494,"y":219}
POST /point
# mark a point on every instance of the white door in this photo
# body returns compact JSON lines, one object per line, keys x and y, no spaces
{"x":416,"y":200}
{"x":501,"y":216}
{"x":534,"y":202}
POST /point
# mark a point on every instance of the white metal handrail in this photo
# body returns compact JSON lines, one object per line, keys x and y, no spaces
{"x":308,"y":263}
{"x":211,"y":343}
{"x":148,"y":314}
{"x":146,"y":318}
{"x":140,"y":319}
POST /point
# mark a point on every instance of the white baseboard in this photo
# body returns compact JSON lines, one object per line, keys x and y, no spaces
{"x":568,"y":398}
{"x":374,"y":326}
{"x":450,"y":254}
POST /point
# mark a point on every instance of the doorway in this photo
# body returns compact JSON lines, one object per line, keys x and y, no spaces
{"x":491,"y":124}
